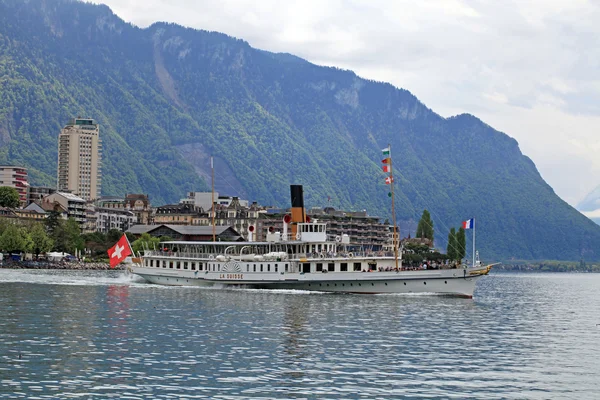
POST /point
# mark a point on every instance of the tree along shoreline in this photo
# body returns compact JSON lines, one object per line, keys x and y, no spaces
{"x":547,"y":266}
{"x":74,"y":265}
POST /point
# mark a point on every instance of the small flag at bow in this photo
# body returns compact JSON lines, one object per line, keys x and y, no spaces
{"x":468,"y":224}
{"x":387,"y":168}
{"x":389,"y":180}
{"x":386,"y":151}
{"x":386,"y":160}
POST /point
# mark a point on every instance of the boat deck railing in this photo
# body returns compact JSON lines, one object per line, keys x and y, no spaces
{"x":266,"y":257}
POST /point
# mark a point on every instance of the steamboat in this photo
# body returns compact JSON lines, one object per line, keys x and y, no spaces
{"x":302,"y":257}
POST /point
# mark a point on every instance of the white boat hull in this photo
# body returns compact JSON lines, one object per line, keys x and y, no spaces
{"x":458,"y":282}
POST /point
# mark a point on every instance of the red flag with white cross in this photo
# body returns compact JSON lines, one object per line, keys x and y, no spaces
{"x":119,"y":251}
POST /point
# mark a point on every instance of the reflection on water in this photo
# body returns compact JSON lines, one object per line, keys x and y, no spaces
{"x":105,"y":335}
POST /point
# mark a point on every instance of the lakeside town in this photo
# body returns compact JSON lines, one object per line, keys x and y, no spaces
{"x":77,"y":198}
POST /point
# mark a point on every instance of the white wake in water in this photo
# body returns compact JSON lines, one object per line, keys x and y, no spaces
{"x":70,"y":277}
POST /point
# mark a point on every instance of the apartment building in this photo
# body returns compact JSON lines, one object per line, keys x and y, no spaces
{"x":79,"y":159}
{"x":16,"y":177}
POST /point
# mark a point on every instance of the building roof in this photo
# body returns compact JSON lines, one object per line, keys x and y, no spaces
{"x":12,"y":166}
{"x":117,"y":211}
{"x":69,"y":196}
{"x":111,"y":198}
{"x":177,"y":209}
{"x":35,"y":208}
{"x":53,"y":206}
{"x":136,"y":196}
{"x":181,"y":229}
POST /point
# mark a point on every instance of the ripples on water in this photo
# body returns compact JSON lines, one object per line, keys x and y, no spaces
{"x":96,"y":334}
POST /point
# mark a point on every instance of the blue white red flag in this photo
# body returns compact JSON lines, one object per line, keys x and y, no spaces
{"x":468,"y":224}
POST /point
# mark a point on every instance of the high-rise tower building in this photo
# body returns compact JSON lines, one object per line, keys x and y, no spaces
{"x":79,"y":158}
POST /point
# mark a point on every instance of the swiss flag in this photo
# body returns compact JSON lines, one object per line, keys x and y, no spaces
{"x":119,"y":252}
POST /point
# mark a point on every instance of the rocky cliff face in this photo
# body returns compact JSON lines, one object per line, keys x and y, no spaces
{"x":590,"y":205}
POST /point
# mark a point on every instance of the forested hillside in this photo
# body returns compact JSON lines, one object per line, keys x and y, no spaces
{"x":168,"y":97}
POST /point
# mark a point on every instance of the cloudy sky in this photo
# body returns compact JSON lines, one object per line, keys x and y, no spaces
{"x":529,"y":68}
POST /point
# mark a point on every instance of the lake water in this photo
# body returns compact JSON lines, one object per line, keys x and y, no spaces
{"x":94,"y":334}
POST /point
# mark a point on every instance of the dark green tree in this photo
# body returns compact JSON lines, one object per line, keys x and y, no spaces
{"x":461,"y":243}
{"x":425,"y":226}
{"x":41,"y":242}
{"x":112,"y":237}
{"x":15,"y":239}
{"x":52,"y":221}
{"x":452,"y":249}
{"x":67,"y":236}
{"x":9,"y":197}
{"x":146,"y":241}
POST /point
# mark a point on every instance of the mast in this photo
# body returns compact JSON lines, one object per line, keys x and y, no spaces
{"x":395,"y":241}
{"x":212,"y":198}
{"x":387,"y":152}
{"x":473,"y":242}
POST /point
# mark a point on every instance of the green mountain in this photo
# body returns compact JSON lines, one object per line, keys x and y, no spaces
{"x":168,"y":97}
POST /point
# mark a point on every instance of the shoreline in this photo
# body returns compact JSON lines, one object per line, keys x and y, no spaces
{"x":77,"y":265}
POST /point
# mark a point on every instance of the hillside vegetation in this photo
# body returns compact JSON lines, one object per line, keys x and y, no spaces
{"x":168,"y":97}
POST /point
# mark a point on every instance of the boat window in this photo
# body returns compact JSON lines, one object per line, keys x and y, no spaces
{"x":254,"y":267}
{"x":170,"y":264}
{"x":357,"y":266}
{"x":343,"y":267}
{"x":200,"y":266}
{"x":247,"y":267}
{"x":330,"y":267}
{"x":193,"y":264}
{"x":261,"y":268}
{"x":306,"y":268}
{"x":319,"y":267}
{"x":276,"y":267}
{"x":268,"y":267}
{"x":286,"y":268}
{"x":219,"y":268}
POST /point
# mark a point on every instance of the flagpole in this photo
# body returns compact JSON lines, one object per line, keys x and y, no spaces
{"x":212,"y":197}
{"x":473,"y":242}
{"x":129,"y":244}
{"x":393,"y":208}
